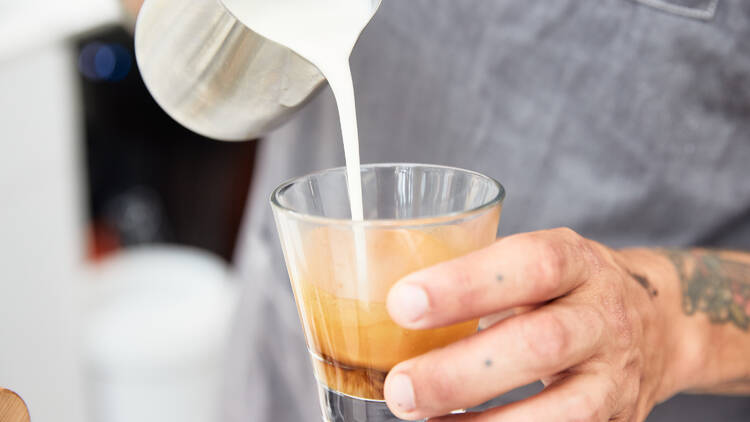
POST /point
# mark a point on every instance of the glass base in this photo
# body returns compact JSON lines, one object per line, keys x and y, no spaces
{"x":339,"y":407}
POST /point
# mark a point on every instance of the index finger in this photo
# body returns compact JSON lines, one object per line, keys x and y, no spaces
{"x":519,"y":270}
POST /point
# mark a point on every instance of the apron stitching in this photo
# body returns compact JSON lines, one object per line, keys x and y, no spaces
{"x":688,"y":12}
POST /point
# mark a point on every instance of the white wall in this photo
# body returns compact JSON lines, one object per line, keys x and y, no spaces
{"x":27,"y":24}
{"x":41,"y":233}
{"x":41,"y":206}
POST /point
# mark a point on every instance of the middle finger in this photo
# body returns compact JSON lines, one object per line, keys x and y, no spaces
{"x":524,"y":269}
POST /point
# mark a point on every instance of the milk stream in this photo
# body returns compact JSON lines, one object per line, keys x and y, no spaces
{"x":324,"y":32}
{"x":343,"y":89}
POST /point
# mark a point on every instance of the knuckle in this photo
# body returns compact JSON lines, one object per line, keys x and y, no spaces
{"x":583,"y":407}
{"x":588,"y":251}
{"x":614,"y":390}
{"x":623,"y":400}
{"x":631,"y":391}
{"x":572,"y":239}
{"x":547,"y":270}
{"x":568,"y":234}
{"x":545,"y":337}
{"x":591,"y":322}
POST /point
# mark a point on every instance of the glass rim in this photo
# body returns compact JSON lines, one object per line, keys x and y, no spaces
{"x":435,"y":220}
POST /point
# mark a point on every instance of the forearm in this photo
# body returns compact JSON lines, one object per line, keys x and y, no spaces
{"x":705,"y":298}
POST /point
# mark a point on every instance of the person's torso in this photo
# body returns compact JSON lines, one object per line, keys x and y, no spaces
{"x":626,"y":123}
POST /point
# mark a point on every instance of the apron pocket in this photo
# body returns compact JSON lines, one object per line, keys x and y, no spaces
{"x":694,"y":9}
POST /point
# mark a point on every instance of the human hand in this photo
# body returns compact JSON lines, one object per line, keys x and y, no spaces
{"x":132,"y":7}
{"x":590,"y":323}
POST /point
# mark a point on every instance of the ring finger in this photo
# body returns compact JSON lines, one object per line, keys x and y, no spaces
{"x":583,"y":397}
{"x":511,"y":354}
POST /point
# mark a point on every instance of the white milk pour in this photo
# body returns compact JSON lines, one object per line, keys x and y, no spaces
{"x":324,"y":32}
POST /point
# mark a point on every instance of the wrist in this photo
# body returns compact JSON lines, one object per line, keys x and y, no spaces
{"x":675,"y":343}
{"x":715,"y":310}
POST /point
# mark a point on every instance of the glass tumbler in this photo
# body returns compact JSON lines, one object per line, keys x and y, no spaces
{"x":341,"y":270}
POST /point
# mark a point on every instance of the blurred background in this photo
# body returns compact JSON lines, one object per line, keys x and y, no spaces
{"x":117,"y":227}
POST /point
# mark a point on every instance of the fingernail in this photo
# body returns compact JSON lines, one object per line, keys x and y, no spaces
{"x":408,"y":302}
{"x":401,"y":393}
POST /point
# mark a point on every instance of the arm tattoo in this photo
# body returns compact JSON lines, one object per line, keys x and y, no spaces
{"x":715,"y":285}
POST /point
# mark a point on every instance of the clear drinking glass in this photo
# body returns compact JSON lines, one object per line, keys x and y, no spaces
{"x":341,"y":270}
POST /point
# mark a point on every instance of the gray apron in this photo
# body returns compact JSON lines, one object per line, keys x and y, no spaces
{"x":627,"y":121}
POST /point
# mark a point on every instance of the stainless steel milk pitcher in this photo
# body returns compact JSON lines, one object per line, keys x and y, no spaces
{"x":214,"y":75}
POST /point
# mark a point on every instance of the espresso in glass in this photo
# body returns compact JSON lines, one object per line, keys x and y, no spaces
{"x":342,"y":270}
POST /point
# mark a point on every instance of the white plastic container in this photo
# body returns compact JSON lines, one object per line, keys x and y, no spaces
{"x":156,"y":336}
